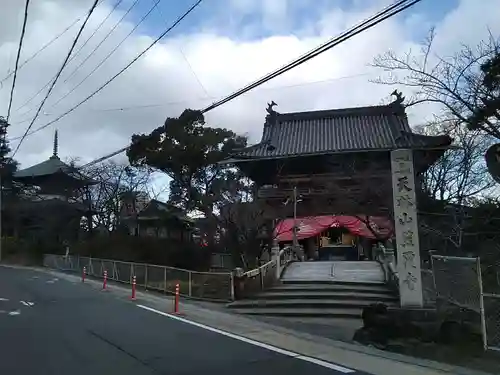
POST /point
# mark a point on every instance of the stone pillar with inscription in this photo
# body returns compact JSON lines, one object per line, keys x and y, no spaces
{"x":406,"y":227}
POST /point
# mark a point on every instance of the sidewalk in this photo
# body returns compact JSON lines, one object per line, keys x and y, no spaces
{"x":367,"y":359}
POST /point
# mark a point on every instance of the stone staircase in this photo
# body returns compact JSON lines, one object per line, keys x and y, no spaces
{"x":341,"y":271}
{"x":321,"y":289}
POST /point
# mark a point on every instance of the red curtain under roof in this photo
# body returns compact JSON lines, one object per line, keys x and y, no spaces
{"x":313,"y":225}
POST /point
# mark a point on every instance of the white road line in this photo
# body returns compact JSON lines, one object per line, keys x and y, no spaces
{"x":12,"y":313}
{"x":3,"y":299}
{"x":275,"y":349}
{"x":30,"y":303}
{"x":24,"y":303}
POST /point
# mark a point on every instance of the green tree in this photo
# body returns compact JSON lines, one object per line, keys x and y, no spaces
{"x":189,"y":153}
{"x":8,"y":166}
{"x":487,"y":112}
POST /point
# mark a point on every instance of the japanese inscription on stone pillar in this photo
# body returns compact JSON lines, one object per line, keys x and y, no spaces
{"x":406,"y":227}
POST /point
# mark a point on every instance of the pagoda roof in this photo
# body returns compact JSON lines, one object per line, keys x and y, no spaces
{"x":50,"y":167}
{"x":375,"y":128}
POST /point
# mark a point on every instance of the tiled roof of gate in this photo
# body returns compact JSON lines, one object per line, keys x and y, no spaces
{"x":339,"y":130}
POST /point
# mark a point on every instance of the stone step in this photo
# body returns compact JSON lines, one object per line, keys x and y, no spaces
{"x":300,"y":304}
{"x":351,"y":313}
{"x":331,"y":294}
{"x":299,"y":280}
{"x":331,"y":282}
{"x":335,"y":271}
{"x":306,"y":287}
{"x":338,"y":265}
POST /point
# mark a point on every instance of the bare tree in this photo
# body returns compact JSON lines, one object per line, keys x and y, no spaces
{"x":457,"y":179}
{"x":243,"y":228}
{"x":112,"y":181}
{"x":458,"y":83}
{"x":460,"y":174}
{"x":465,"y":87}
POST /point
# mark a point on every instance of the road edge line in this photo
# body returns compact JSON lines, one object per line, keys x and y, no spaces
{"x":275,"y":349}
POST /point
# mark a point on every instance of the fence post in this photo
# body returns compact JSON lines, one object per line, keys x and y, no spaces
{"x":165,"y":280}
{"x":134,"y":281}
{"x":146,"y":276}
{"x":190,"y":281}
{"x":278,"y":265}
{"x":481,"y":304}
{"x":433,"y":273}
{"x":105,"y":280}
{"x":231,"y":283}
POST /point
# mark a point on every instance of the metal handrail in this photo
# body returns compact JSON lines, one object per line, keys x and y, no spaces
{"x":280,"y":262}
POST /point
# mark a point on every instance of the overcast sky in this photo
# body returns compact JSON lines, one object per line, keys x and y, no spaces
{"x":221,"y":47}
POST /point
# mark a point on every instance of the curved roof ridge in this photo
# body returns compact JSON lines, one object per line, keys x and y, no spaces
{"x":388,"y":109}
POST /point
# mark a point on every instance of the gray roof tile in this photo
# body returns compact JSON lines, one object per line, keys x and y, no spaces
{"x":47,"y":167}
{"x":51,"y":166}
{"x":351,"y":129}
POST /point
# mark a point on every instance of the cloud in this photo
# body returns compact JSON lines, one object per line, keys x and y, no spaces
{"x":192,"y":69}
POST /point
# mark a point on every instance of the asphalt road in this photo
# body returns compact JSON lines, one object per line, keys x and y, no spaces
{"x":55,"y":326}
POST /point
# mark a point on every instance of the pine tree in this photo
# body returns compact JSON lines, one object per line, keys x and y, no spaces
{"x":7,"y":165}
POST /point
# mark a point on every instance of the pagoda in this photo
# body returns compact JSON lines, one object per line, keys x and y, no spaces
{"x":52,"y":208}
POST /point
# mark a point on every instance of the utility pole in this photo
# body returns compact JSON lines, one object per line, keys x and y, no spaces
{"x":296,"y":199}
{"x":1,"y":202}
{"x":295,"y":240}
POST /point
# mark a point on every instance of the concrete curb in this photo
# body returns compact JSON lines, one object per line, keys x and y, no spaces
{"x":15,"y":266}
{"x":370,"y":351}
{"x":439,"y":366}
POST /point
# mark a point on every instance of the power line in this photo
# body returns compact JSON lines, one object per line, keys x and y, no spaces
{"x":85,"y":60}
{"x":104,"y":39}
{"x":54,"y":77}
{"x":97,"y":161}
{"x":187,"y":62}
{"x":46,"y":45}
{"x":117,"y":4}
{"x":117,"y":74}
{"x":203,"y":99}
{"x":92,"y":8}
{"x":364,"y":25}
{"x":193,"y":72}
{"x":207,"y":97}
{"x":107,"y":56}
{"x":23,"y":31}
{"x":355,"y":30}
